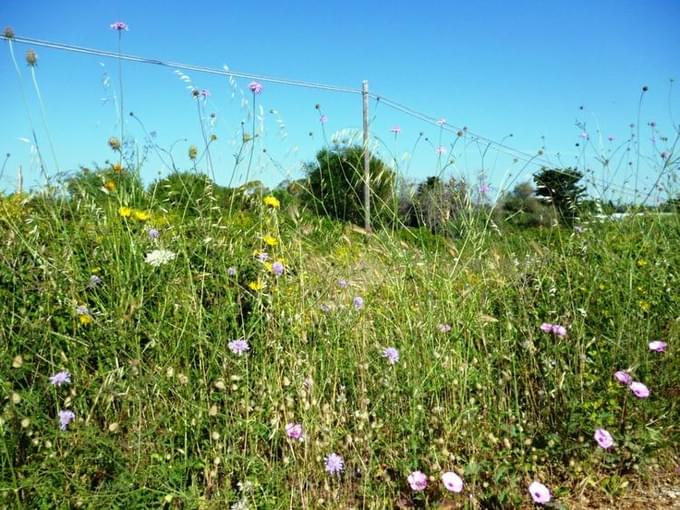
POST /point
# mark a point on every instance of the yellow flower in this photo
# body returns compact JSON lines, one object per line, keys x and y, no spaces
{"x":141,"y":215}
{"x":110,"y":186}
{"x":117,"y":168}
{"x":642,"y":263}
{"x":125,"y":212}
{"x":644,"y":305}
{"x":268,"y":266}
{"x":114,"y":143}
{"x":256,"y":285}
{"x":270,"y":240}
{"x":272,"y":202}
{"x":85,"y":319}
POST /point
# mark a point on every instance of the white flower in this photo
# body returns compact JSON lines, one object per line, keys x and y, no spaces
{"x":159,"y":257}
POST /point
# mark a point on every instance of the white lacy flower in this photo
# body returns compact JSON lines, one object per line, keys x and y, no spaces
{"x":159,"y":257}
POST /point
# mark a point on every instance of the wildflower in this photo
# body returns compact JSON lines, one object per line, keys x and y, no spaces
{"x":323,"y":118}
{"x":604,"y":439}
{"x":270,"y":240}
{"x":335,"y":464}
{"x":117,"y":168}
{"x":441,"y":122}
{"x":94,"y":281}
{"x":193,"y":152}
{"x":440,"y":150}
{"x":658,"y":346}
{"x":119,"y":26}
{"x":255,"y":87}
{"x":63,"y":377}
{"x":110,"y":186}
{"x":159,"y":257}
{"x":484,"y":188}
{"x":546,"y":327}
{"x":623,"y":377}
{"x":231,"y":271}
{"x":272,"y":202}
{"x":444,"y":328}
{"x":294,"y":431}
{"x":358,"y":302}
{"x":82,"y":310}
{"x":31,"y":58}
{"x":396,"y":130}
{"x":239,"y":346}
{"x":256,"y":285}
{"x":584,"y":135}
{"x":277,"y":268}
{"x":141,"y":215}
{"x":65,"y":417}
{"x":152,"y":233}
{"x":85,"y":319}
{"x":342,"y":283}
{"x":263,"y":256}
{"x":125,"y":212}
{"x":539,"y":493}
{"x":639,"y":389}
{"x":8,"y":33}
{"x":114,"y":143}
{"x":325,"y":308}
{"x":417,"y":480}
{"x":558,"y":330}
{"x":391,"y":354}
{"x":452,"y":481}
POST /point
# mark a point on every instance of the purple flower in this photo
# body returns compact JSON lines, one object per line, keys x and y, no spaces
{"x":584,"y":135}
{"x":255,"y":87}
{"x":325,"y":308}
{"x":658,"y":346}
{"x":639,"y":389}
{"x":546,"y":327}
{"x":623,"y":377}
{"x":484,"y":188}
{"x":358,"y":302}
{"x":119,"y":25}
{"x":239,"y":346}
{"x":153,"y":233}
{"x":277,"y":268}
{"x":262,"y":257}
{"x":417,"y":480}
{"x":396,"y":130}
{"x":231,"y":271}
{"x":63,"y":377}
{"x":342,"y":283}
{"x":440,"y":150}
{"x":335,"y":464}
{"x":391,"y":354}
{"x":323,"y":119}
{"x":539,"y":493}
{"x":444,"y":328}
{"x":65,"y":417}
{"x":604,"y":439}
{"x":82,"y":310}
{"x":94,"y":281}
{"x":452,"y":481}
{"x":294,"y":431}
{"x":441,"y":122}
{"x":558,"y":330}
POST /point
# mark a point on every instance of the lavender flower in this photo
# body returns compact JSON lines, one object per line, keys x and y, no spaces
{"x":452,"y":481}
{"x":623,"y":377}
{"x":277,"y":268}
{"x":604,"y":439}
{"x":658,"y":346}
{"x":358,"y":302}
{"x":342,"y":283}
{"x":63,"y":377}
{"x":153,"y":233}
{"x":639,"y":389}
{"x":231,"y":271}
{"x":82,"y":310}
{"x":539,"y":493}
{"x":239,"y":346}
{"x":255,"y":87}
{"x":119,"y":25}
{"x":444,"y":328}
{"x":325,"y":308}
{"x":294,"y":431}
{"x":417,"y":480}
{"x":335,"y":464}
{"x":262,"y":257}
{"x":94,"y":281}
{"x":65,"y":417}
{"x":391,"y":354}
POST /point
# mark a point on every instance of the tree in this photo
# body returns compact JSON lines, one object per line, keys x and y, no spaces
{"x":335,"y":185}
{"x":435,"y":203}
{"x":521,"y":208}
{"x":560,"y":188}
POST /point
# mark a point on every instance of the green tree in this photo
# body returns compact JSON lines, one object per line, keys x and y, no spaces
{"x":560,"y":188}
{"x":521,"y":208}
{"x":335,"y":185}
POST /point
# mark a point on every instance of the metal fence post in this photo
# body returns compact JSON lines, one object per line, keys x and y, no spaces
{"x":367,"y":161}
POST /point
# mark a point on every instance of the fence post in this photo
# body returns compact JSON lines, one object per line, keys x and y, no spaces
{"x":20,"y":181}
{"x":367,"y":161}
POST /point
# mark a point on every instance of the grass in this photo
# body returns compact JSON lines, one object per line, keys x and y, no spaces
{"x":166,"y":415}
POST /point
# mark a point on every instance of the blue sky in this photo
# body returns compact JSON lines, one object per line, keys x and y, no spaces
{"x":496,"y":67}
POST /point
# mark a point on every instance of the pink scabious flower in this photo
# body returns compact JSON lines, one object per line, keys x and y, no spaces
{"x":239,"y":346}
{"x":278,"y":268}
{"x":444,"y":328}
{"x":342,"y":283}
{"x":546,"y":327}
{"x":452,"y":481}
{"x":604,"y":439}
{"x":358,"y":302}
{"x":119,"y":25}
{"x":323,"y":118}
{"x":658,"y":346}
{"x":639,"y":389}
{"x":391,"y":354}
{"x":623,"y":377}
{"x":484,"y":188}
{"x":63,"y":377}
{"x":558,"y":330}
{"x":539,"y":493}
{"x":440,"y":150}
{"x":441,"y":121}
{"x":335,"y":464}
{"x":255,"y":87}
{"x":417,"y":480}
{"x":395,"y":129}
{"x":294,"y":431}
{"x":65,"y":417}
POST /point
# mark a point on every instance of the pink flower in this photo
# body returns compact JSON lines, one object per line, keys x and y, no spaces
{"x":63,"y":377}
{"x":546,"y":327}
{"x":255,"y":87}
{"x":440,"y":150}
{"x":484,"y":188}
{"x":452,"y":481}
{"x":558,"y":330}
{"x":65,"y":417}
{"x":658,"y":346}
{"x":417,"y":480}
{"x":323,"y":119}
{"x":584,"y":135}
{"x":294,"y":431}
{"x":604,"y":439}
{"x":444,"y":328}
{"x":441,"y":121}
{"x":119,"y":25}
{"x":396,"y":130}
{"x":623,"y":377}
{"x":639,"y":389}
{"x":539,"y":493}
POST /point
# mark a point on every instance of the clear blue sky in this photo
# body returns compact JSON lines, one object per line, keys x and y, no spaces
{"x":497,"y":67}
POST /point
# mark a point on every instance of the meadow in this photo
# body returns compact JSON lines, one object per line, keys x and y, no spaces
{"x":181,"y":344}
